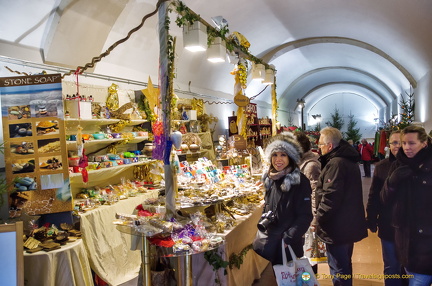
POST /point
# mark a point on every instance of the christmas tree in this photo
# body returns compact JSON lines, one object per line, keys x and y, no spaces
{"x":352,"y":132}
{"x":337,"y":120}
{"x":407,"y":105}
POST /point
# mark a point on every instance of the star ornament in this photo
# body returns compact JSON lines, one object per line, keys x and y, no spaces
{"x":152,"y":94}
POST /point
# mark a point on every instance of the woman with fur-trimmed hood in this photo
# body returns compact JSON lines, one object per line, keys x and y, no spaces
{"x":288,"y":195}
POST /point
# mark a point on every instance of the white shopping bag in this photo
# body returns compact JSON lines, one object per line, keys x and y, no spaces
{"x":296,"y":272}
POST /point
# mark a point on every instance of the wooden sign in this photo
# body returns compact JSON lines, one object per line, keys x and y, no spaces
{"x":241,"y":100}
{"x":239,"y":142}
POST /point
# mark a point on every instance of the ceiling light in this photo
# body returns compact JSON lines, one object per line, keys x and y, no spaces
{"x":269,"y":77}
{"x":300,"y":103}
{"x":220,"y":22}
{"x":258,"y":71}
{"x":233,"y":57}
{"x":216,"y":52}
{"x":195,"y":37}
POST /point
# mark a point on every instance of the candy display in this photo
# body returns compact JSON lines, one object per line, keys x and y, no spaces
{"x":210,"y":202}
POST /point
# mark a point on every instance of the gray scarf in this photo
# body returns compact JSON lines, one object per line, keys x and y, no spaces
{"x":291,"y":178}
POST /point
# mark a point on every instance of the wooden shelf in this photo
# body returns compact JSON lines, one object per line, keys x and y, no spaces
{"x":136,"y":122}
{"x":71,"y":145}
{"x":102,"y":121}
{"x":106,"y":171}
{"x":91,"y":121}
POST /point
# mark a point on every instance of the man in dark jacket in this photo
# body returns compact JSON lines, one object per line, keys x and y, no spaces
{"x":379,"y":215}
{"x":409,"y":188}
{"x":340,"y":211}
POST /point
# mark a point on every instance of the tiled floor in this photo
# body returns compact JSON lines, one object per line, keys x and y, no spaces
{"x":367,"y":259}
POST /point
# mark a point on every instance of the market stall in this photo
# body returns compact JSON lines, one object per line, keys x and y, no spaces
{"x":99,"y":154}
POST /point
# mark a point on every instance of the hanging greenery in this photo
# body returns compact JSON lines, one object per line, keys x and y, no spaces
{"x":216,"y":261}
{"x":185,"y":15}
{"x":237,"y":259}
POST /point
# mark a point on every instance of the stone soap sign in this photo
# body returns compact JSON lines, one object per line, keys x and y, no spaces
{"x":241,"y":100}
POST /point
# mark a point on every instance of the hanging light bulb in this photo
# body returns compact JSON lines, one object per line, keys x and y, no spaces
{"x":269,"y":75}
{"x":195,"y":37}
{"x":216,"y":52}
{"x":258,"y":71}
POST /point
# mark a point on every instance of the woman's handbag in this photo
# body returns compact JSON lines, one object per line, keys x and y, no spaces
{"x":265,"y":246}
{"x":296,"y":272}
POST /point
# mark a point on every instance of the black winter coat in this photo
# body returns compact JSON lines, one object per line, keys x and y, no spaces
{"x":340,"y":211}
{"x":411,"y":197}
{"x":294,"y":214}
{"x":380,"y":214}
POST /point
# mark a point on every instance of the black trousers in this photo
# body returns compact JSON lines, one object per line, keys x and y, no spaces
{"x":367,"y":168}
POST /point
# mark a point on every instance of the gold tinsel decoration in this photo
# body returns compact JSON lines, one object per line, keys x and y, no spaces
{"x":117,"y":127}
{"x":142,"y":173}
{"x":198,"y":105}
{"x":112,"y":101}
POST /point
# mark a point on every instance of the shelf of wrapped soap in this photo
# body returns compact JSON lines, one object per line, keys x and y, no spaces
{"x":71,"y":144}
{"x":136,"y":122}
{"x":101,"y":121}
{"x":113,"y":168}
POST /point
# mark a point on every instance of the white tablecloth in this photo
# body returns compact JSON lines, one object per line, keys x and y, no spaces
{"x":235,"y":240}
{"x":65,"y":266}
{"x":107,"y":248}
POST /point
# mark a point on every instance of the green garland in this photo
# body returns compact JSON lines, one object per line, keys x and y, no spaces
{"x":214,"y":258}
{"x":237,"y":259}
{"x":217,"y":262}
{"x":187,"y":17}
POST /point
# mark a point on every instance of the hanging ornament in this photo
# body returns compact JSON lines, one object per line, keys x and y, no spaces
{"x":176,"y":138}
{"x":112,"y":101}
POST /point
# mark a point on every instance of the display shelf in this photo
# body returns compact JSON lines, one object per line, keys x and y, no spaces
{"x":139,"y":139}
{"x":106,"y":171}
{"x":101,"y":121}
{"x":71,"y":145}
{"x":136,"y":122}
{"x":104,"y":176}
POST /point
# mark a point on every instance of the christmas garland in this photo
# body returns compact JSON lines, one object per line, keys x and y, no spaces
{"x":216,"y":261}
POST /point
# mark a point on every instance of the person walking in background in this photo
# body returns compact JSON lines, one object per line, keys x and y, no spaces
{"x":409,"y":189}
{"x":340,"y":212}
{"x":310,"y":166}
{"x":379,"y":214}
{"x":287,"y":211}
{"x":366,"y":153}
